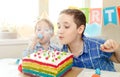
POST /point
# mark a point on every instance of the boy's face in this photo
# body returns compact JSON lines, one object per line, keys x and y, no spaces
{"x":67,"y":29}
{"x":43,"y":29}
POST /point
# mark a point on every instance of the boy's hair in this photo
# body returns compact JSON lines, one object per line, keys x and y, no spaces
{"x":48,"y":22}
{"x":79,"y":16}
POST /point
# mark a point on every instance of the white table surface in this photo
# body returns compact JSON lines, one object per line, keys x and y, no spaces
{"x":90,"y":72}
{"x":9,"y":68}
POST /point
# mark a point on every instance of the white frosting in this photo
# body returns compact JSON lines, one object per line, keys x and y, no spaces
{"x":50,"y":57}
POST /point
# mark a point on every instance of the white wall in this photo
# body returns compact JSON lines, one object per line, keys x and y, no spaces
{"x":12,"y":48}
{"x":111,"y":30}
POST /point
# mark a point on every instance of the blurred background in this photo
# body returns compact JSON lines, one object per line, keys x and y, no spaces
{"x":18,"y":18}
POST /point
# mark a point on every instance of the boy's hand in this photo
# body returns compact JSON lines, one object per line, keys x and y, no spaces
{"x":109,"y":46}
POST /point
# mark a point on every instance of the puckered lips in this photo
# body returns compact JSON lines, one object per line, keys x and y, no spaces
{"x":61,"y":37}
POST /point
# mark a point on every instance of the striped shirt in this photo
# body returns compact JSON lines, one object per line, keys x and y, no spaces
{"x":92,"y":57}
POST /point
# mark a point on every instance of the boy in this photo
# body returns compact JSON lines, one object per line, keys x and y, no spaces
{"x":88,"y":52}
{"x":44,"y":30}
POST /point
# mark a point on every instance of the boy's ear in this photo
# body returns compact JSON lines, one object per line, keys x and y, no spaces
{"x":81,"y":29}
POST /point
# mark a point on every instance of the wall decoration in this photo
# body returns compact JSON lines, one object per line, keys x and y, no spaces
{"x":86,"y":12}
{"x":95,"y":15}
{"x":109,"y":15}
{"x":118,"y":9}
{"x":93,"y":30}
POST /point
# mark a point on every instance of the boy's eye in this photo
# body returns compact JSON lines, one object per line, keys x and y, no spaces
{"x":66,"y":27}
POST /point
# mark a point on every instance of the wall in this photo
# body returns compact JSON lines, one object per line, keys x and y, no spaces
{"x":111,"y":31}
{"x":12,"y":48}
{"x":43,"y":8}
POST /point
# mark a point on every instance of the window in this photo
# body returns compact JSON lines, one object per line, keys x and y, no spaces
{"x":54,"y":11}
{"x":17,"y":13}
{"x":96,"y":3}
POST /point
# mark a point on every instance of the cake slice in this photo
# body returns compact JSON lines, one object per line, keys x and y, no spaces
{"x":47,"y":63}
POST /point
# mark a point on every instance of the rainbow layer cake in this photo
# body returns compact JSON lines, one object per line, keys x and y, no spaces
{"x":47,"y":63}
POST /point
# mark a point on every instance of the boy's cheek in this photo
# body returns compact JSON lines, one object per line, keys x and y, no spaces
{"x":62,"y":42}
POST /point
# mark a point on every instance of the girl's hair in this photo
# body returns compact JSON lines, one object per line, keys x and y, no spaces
{"x":48,"y":22}
{"x":79,"y":16}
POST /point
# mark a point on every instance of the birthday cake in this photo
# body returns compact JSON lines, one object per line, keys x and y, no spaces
{"x":47,"y":63}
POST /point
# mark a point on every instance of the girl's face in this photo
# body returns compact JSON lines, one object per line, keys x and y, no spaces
{"x":67,"y":29}
{"x":43,"y":28}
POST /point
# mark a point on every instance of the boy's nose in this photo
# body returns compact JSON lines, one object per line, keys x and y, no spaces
{"x":60,"y":31}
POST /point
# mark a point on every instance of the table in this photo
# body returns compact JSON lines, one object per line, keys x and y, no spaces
{"x":72,"y":73}
{"x":83,"y":72}
{"x":9,"y":68}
